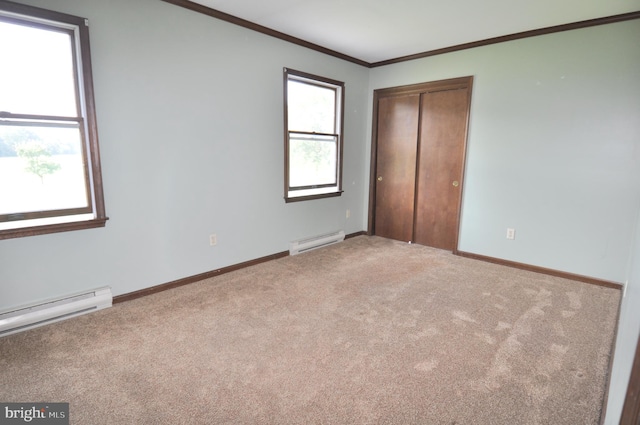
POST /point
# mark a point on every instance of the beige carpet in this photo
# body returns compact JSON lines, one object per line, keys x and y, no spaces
{"x":369,"y":331}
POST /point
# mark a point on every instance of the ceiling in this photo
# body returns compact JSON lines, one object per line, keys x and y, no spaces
{"x":379,"y":30}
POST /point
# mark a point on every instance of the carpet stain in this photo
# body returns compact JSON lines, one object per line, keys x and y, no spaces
{"x":574,"y":300}
{"x":503,"y":326}
{"x":500,"y":368}
{"x":579,"y":374}
{"x":486,"y":337}
{"x":559,"y":349}
{"x":508,"y":352}
{"x":429,"y":332}
{"x":462,"y":315}
{"x":427,"y":366}
{"x":552,"y":361}
{"x":503,"y":298}
{"x":407,"y":320}
{"x":559,"y":329}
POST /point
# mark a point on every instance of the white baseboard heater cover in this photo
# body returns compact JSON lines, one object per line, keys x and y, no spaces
{"x":29,"y":317}
{"x":304,"y":245}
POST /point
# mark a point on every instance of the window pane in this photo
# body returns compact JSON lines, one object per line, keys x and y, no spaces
{"x":41,"y":168}
{"x":310,"y":107}
{"x":36,"y":76}
{"x":312,"y":160}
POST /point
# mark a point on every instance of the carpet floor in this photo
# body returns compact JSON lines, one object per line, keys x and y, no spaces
{"x":368,"y":331}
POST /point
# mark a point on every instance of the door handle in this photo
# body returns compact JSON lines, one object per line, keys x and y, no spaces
{"x":455,"y":183}
{"x":379,"y":178}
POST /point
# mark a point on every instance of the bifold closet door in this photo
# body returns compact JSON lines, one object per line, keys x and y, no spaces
{"x":397,"y":149}
{"x":443,"y":123}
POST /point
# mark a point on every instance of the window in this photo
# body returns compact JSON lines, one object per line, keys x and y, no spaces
{"x":49,"y":159}
{"x":313,"y":136}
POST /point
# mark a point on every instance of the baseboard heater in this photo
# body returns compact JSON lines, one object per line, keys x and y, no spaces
{"x":32,"y":316}
{"x":304,"y":245}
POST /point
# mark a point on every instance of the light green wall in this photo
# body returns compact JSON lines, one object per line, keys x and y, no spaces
{"x":553,"y":147}
{"x":628,"y":333}
{"x":191,"y":136}
{"x":190,"y":124}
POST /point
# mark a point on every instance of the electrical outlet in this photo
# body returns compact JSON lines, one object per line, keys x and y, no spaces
{"x":213,"y":239}
{"x":511,"y":233}
{"x":348,"y":213}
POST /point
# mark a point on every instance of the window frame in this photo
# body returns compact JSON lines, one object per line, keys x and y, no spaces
{"x":339,"y":87}
{"x":78,"y":29}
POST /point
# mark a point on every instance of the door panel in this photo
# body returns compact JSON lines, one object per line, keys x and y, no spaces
{"x":420,"y":133}
{"x":397,"y":132}
{"x":439,"y":177}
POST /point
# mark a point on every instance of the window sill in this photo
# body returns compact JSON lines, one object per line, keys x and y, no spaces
{"x":52,"y":228}
{"x":311,"y":197}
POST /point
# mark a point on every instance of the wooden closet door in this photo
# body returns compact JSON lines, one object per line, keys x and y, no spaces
{"x":443,"y":129}
{"x":418,"y":150}
{"x":397,"y":132}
